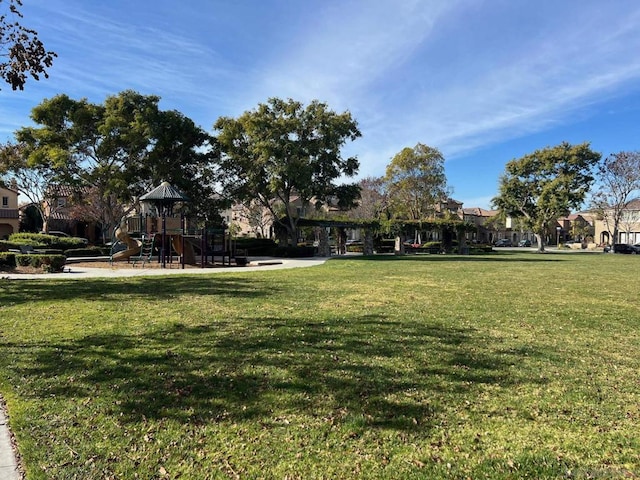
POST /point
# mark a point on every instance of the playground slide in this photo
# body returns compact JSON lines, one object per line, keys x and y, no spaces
{"x":189,"y":255}
{"x":126,"y":254}
{"x":133,"y":246}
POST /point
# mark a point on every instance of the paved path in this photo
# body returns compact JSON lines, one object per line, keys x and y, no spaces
{"x":8,"y":464}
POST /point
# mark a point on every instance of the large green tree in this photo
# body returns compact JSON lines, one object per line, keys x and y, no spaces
{"x":618,"y":183}
{"x":415,"y":182}
{"x":119,"y":149}
{"x":545,"y":185}
{"x":287,"y":155}
{"x":22,"y":54}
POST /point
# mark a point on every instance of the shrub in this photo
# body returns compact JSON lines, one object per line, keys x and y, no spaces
{"x":41,"y":240}
{"x":19,"y":239}
{"x":48,"y":263}
{"x":355,"y":248}
{"x":6,"y":245}
{"x":7,"y":260}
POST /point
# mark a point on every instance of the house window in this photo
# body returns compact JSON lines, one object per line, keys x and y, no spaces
{"x":5,"y":202}
{"x":62,"y":202}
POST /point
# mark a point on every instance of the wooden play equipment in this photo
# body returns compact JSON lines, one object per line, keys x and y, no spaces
{"x":139,"y":238}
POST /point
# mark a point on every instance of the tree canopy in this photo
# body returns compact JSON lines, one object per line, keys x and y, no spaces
{"x":119,"y":149}
{"x":22,"y":54}
{"x":415,"y":181}
{"x":545,"y":185}
{"x":288,"y":156}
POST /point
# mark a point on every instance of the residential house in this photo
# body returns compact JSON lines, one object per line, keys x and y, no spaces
{"x":628,"y":229}
{"x":574,"y":227}
{"x":490,"y":229}
{"x":255,"y":220}
{"x":9,"y":216}
{"x":59,"y":211}
{"x":252,"y":220}
{"x":448,"y":206}
{"x":484,"y":220}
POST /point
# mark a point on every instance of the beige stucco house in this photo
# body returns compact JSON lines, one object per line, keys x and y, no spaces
{"x":9,"y":216}
{"x":628,"y":229}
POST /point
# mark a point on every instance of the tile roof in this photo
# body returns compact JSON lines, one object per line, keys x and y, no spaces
{"x":479,"y":212}
{"x":634,"y":204}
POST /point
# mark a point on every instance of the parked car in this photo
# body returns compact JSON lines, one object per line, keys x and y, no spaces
{"x":503,"y":242}
{"x":623,"y":248}
{"x":524,"y":243}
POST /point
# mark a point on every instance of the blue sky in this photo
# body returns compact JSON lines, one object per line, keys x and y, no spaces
{"x":483,"y":81}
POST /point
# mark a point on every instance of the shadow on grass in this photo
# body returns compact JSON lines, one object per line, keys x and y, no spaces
{"x":365,"y":370}
{"x":25,"y":291}
{"x":515,"y":257}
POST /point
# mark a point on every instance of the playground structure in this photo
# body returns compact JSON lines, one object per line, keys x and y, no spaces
{"x":138,"y":239}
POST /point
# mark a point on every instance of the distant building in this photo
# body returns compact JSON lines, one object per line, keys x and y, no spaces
{"x":9,"y":215}
{"x":628,"y":229}
{"x":490,"y":229}
{"x":61,"y":216}
{"x":576,"y":227}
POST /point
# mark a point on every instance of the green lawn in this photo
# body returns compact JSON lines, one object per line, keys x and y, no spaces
{"x":496,"y":366}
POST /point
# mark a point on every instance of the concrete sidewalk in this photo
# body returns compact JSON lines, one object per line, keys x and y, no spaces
{"x":8,"y":463}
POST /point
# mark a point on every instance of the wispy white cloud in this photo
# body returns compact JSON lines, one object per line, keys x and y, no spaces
{"x":348,"y":46}
{"x":380,"y":63}
{"x":455,"y":74}
{"x":100,"y":55}
{"x":548,"y":83}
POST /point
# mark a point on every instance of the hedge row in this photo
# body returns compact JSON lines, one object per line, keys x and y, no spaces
{"x":48,"y":263}
{"x":41,"y":240}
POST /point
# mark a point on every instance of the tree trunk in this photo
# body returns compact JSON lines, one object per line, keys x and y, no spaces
{"x":324,"y":248}
{"x":368,"y":242}
{"x":540,"y":240}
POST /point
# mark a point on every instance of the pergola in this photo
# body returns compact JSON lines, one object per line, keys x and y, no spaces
{"x":324,"y":248}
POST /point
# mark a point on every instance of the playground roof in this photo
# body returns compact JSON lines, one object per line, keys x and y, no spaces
{"x":165,"y":193}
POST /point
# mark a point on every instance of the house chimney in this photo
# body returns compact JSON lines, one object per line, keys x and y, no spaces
{"x":13,"y":185}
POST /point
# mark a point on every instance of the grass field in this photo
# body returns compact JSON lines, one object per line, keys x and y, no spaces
{"x":497,"y":366}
